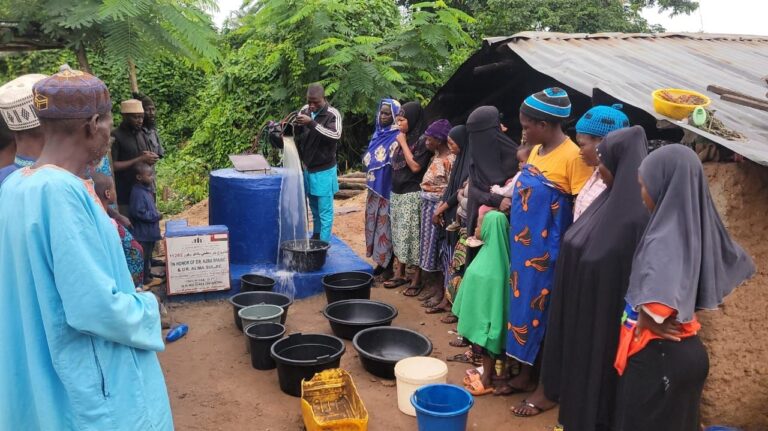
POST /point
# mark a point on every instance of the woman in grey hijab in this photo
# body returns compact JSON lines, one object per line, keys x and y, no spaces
{"x":685,"y":261}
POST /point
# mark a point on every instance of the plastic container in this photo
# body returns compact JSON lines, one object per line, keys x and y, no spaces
{"x":260,"y":313}
{"x":442,"y":407}
{"x":304,"y":255}
{"x":329,"y":401}
{"x":245,"y":299}
{"x":256,"y":283}
{"x":261,"y":337}
{"x":382,"y":347}
{"x":678,"y":111}
{"x":176,"y":332}
{"x":349,"y":317}
{"x":347,"y":285}
{"x":300,"y":356}
{"x":413,"y":373}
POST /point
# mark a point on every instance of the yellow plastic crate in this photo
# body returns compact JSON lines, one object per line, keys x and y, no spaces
{"x":330,"y":402}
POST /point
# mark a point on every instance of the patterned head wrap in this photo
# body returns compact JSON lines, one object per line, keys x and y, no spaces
{"x":551,"y":105}
{"x":602,"y":120}
{"x":439,"y":130}
{"x":71,"y":94}
{"x":16,"y":102}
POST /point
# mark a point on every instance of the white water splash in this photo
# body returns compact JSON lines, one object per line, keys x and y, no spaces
{"x":284,"y":283}
{"x":293,"y":204}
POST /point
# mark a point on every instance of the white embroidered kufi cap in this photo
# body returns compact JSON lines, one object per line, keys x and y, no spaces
{"x":16,"y":102}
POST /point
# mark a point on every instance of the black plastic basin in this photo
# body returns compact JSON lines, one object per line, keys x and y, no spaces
{"x":300,"y":356}
{"x":304,"y":255}
{"x":347,"y":285}
{"x":256,"y":283}
{"x":351,"y":316}
{"x":380,"y":348}
{"x":244,"y":299}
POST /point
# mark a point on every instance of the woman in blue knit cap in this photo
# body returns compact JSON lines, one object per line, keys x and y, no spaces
{"x":590,"y":131}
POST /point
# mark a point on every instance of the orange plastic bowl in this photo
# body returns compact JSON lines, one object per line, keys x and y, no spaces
{"x":678,"y":111}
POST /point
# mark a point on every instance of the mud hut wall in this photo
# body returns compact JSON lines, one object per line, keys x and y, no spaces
{"x":736,"y":336}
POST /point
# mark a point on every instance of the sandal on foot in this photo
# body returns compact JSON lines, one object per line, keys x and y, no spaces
{"x":416,"y":290}
{"x":435,"y":310}
{"x":525,"y":404}
{"x":449,"y":319}
{"x":397,"y":282}
{"x":426,"y":296}
{"x":431,"y":303}
{"x":476,"y":387}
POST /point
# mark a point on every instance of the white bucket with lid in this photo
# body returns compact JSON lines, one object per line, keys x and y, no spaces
{"x":413,"y":373}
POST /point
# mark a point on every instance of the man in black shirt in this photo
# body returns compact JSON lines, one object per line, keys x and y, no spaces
{"x":129,"y":149}
{"x":317,"y":133}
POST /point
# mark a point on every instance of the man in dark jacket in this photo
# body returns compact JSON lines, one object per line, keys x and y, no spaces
{"x":129,"y":149}
{"x":317,"y":132}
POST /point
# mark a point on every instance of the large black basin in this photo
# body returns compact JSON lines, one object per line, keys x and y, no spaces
{"x":245,"y":299}
{"x":349,"y":317}
{"x":300,"y":356}
{"x":380,"y":348}
{"x":347,"y":285}
{"x":304,"y":255}
{"x":256,"y":283}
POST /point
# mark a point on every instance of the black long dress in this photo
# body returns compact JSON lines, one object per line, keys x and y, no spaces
{"x":592,"y":276}
{"x":493,"y":160}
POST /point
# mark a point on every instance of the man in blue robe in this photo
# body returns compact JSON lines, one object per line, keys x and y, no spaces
{"x":79,"y":343}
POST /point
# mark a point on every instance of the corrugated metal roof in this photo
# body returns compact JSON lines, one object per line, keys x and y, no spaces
{"x":630,"y":66}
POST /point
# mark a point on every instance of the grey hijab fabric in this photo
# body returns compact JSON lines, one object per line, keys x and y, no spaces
{"x":686,"y":259}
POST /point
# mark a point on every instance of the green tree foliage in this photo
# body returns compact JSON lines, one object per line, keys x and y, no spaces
{"x":126,"y":31}
{"x":284,"y":45}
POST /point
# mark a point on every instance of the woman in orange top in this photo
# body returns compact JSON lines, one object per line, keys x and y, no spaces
{"x":686,"y":261}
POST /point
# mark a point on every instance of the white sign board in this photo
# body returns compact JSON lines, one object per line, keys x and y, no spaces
{"x":198,"y":263}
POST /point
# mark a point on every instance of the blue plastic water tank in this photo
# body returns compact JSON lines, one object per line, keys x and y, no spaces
{"x":249,"y":205}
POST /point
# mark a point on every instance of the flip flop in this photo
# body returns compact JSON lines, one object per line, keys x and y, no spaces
{"x":430,"y":303}
{"x":458,"y":342}
{"x":426,"y":296}
{"x":527,"y":404}
{"x":476,"y":387}
{"x":435,"y":310}
{"x":461,"y":357}
{"x":449,"y":319}
{"x":417,"y":289}
{"x":397,"y":282}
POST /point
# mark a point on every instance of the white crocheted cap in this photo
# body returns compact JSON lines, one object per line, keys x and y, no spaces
{"x":16,"y":102}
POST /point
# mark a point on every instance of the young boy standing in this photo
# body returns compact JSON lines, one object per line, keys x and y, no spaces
{"x":145,"y":218}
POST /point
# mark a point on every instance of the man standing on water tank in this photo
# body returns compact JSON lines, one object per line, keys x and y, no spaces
{"x":317,"y":132}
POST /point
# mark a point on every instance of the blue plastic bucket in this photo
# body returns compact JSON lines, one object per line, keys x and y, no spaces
{"x":442,"y":407}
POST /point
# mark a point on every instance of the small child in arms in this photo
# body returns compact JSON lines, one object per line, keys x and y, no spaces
{"x":523,"y":151}
{"x":145,"y":218}
{"x":104,"y":186}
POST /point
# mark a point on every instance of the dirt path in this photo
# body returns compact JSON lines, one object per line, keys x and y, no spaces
{"x":213,"y":387}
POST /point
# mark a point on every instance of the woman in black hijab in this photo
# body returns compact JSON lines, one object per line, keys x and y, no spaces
{"x":591,"y":280}
{"x":458,"y":142}
{"x":409,"y":162}
{"x":493,"y":160}
{"x":685,"y":261}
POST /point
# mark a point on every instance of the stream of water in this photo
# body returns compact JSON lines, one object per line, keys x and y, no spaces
{"x":293,"y":204}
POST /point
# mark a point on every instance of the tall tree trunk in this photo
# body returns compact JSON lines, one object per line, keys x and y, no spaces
{"x":82,"y":59}
{"x":132,"y":76}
